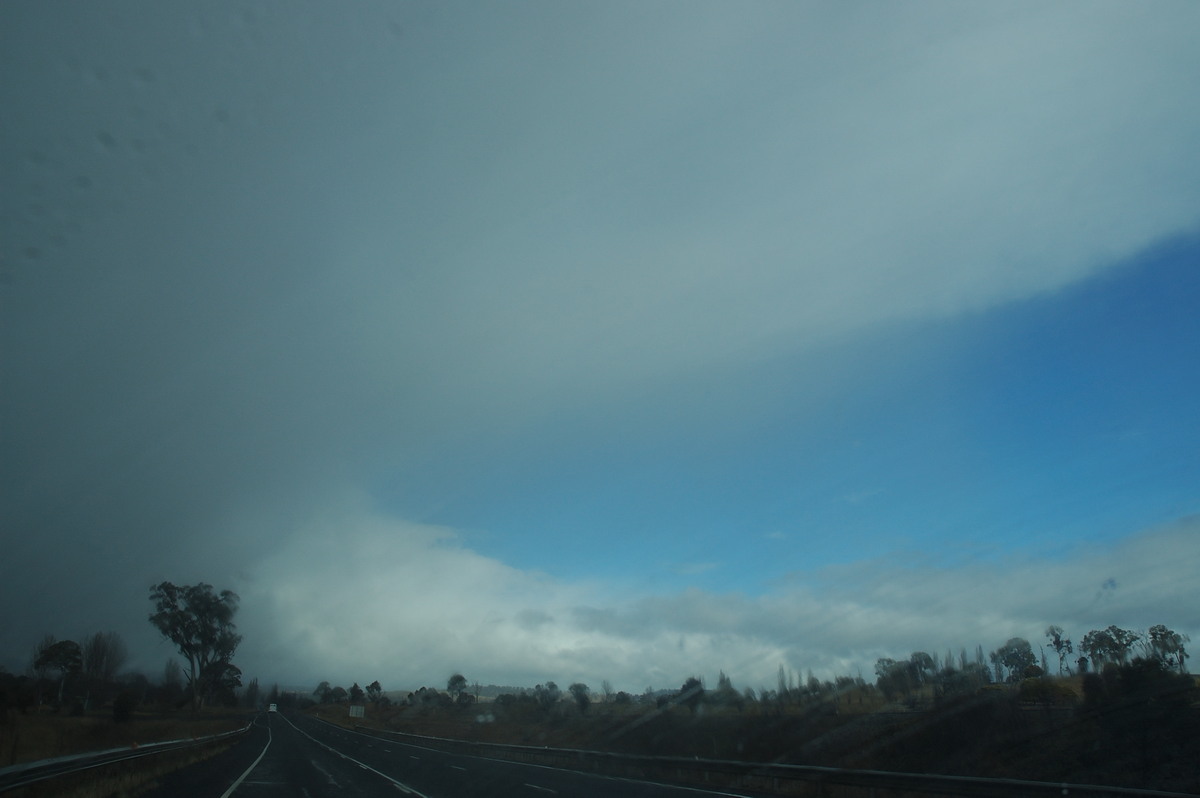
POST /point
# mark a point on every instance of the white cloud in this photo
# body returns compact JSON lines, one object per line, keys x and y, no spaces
{"x":359,"y":596}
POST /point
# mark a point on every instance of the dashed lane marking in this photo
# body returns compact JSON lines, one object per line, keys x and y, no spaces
{"x":404,"y":788}
{"x":326,"y":774}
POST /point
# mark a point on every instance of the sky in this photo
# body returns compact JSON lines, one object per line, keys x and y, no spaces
{"x":599,"y":341}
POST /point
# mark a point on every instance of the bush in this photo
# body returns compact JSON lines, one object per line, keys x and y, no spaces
{"x":123,"y":706}
{"x":1046,"y":691}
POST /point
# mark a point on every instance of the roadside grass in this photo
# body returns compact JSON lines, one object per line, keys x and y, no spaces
{"x":1041,"y":729}
{"x":120,"y":780}
{"x":44,"y":734}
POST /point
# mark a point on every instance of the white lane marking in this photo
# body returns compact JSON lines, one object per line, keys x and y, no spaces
{"x":456,"y":767}
{"x":510,"y":762}
{"x":541,"y":789}
{"x":404,"y":788}
{"x":253,"y":765}
{"x":325,"y":773}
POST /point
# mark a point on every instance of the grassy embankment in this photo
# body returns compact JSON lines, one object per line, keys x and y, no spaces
{"x":43,"y":734}
{"x":1045,"y":731}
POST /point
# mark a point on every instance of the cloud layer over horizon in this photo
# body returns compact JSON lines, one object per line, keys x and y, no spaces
{"x":614,"y":340}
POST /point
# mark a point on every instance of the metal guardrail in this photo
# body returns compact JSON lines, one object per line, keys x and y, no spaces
{"x":777,"y":778}
{"x":28,"y":773}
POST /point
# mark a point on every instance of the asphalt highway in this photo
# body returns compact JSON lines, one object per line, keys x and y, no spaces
{"x":302,"y":757}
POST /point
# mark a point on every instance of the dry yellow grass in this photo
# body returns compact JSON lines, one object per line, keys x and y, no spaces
{"x":43,"y":734}
{"x":120,"y":780}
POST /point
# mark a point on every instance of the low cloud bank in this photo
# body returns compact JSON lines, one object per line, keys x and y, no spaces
{"x":359,"y":596}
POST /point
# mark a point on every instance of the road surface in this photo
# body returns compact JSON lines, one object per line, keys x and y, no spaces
{"x":301,"y":757}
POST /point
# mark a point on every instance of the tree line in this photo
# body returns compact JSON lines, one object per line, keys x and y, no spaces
{"x":78,"y":675}
{"x":932,"y":674}
{"x":1016,"y":660}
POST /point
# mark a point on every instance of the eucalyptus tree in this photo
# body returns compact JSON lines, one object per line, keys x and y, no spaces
{"x":1061,"y":644}
{"x":199,"y":621}
{"x":1108,"y":645}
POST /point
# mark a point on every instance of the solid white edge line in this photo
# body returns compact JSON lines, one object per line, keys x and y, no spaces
{"x":397,"y":784}
{"x":253,"y":765}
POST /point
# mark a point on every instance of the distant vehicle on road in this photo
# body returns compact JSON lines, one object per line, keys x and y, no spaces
{"x":272,"y":708}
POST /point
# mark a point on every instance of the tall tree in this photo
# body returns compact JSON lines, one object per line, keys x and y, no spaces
{"x":547,"y":695}
{"x":172,"y":681}
{"x":924,"y":666}
{"x":104,"y":654}
{"x":582,"y":695}
{"x":1016,"y":655}
{"x":1061,"y":644}
{"x":323,"y":692}
{"x":221,"y":680}
{"x":200,"y":623}
{"x":41,"y":671}
{"x":1167,"y":646}
{"x":1108,"y":645}
{"x":250,"y":697}
{"x":64,"y":657}
{"x":455,"y":685}
{"x":691,"y":693}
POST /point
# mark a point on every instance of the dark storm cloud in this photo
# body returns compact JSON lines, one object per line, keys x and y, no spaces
{"x":255,"y":257}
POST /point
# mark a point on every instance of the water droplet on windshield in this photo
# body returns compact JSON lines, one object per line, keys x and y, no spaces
{"x":106,"y":140}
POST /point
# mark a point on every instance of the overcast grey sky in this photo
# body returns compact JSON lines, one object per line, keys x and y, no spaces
{"x":598,"y":340}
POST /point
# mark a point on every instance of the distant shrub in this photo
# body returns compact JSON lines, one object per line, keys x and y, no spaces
{"x":123,"y":706}
{"x":1046,"y":691}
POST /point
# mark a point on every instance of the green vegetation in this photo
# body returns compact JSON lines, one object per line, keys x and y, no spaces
{"x":1134,"y":722}
{"x":200,"y":624}
{"x":1135,"y":725}
{"x":42,"y":734}
{"x":73,"y":698}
